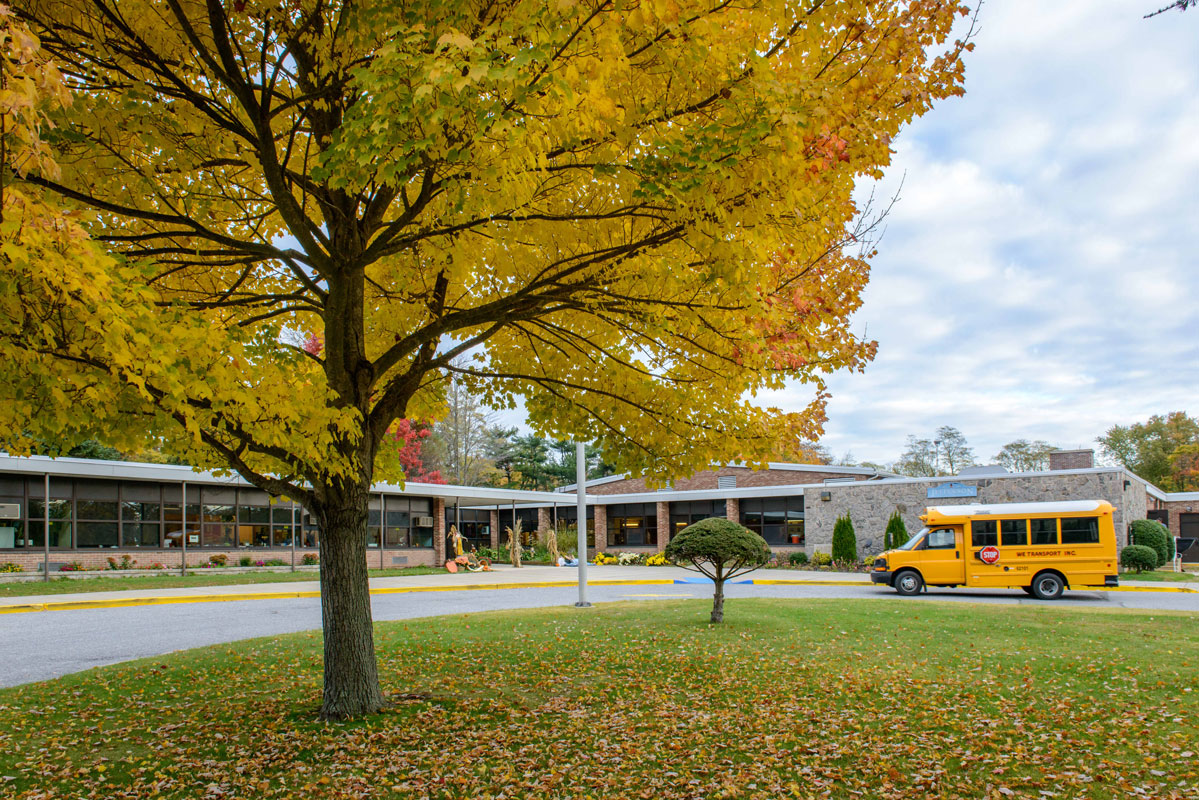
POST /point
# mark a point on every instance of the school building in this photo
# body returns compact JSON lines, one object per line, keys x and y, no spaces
{"x":164,"y":514}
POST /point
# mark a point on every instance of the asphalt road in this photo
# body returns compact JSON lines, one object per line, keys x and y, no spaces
{"x":46,"y":644}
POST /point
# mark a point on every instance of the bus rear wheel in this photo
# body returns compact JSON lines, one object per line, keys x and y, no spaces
{"x":1048,"y":586}
{"x":908,"y":583}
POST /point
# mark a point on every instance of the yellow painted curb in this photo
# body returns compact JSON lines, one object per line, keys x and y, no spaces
{"x":785,"y":582}
{"x":125,"y":602}
{"x":74,"y":605}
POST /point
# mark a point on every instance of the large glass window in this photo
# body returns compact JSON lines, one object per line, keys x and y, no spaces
{"x":475,"y":526}
{"x":1080,"y":530}
{"x":172,"y":527}
{"x":686,"y":513}
{"x":778,"y":520}
{"x":60,"y":523}
{"x":632,"y":524}
{"x":568,"y":516}
{"x":217,"y":529}
{"x":984,"y":533}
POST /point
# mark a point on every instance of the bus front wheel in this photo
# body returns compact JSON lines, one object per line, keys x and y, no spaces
{"x":908,"y":583}
{"x":1048,"y":586}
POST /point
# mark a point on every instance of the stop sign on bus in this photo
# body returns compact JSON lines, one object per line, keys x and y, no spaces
{"x":989,"y":554}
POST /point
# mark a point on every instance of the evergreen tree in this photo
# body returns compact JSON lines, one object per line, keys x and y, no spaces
{"x":897,"y":532}
{"x":845,"y":542}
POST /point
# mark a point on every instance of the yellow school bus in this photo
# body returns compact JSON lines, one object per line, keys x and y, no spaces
{"x":1042,"y":548}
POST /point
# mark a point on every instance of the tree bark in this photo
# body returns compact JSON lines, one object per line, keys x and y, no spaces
{"x":718,"y":602}
{"x":351,"y":687}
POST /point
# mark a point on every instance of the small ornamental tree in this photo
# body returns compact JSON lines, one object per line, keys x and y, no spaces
{"x":897,"y":532}
{"x":1152,"y":534}
{"x":720,"y":549}
{"x":1138,"y":558}
{"x":845,"y":542}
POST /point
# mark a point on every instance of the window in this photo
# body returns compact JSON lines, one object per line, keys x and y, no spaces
{"x":941,"y":539}
{"x":567,"y":517}
{"x":778,"y":520}
{"x":984,"y":533}
{"x":60,"y":523}
{"x":475,"y":526}
{"x":217,"y":528}
{"x":686,"y":513}
{"x":1013,"y":532}
{"x":172,"y":527}
{"x":1080,"y":530}
{"x":632,"y":524}
{"x":1043,"y":531}
{"x":96,"y":519}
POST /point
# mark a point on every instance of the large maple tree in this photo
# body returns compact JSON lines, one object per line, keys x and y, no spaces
{"x":633,"y":216}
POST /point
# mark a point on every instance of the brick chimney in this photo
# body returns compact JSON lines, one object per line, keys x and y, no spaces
{"x":1072,"y":459}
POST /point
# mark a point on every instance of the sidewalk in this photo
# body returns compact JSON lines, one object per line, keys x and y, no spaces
{"x":503,"y":576}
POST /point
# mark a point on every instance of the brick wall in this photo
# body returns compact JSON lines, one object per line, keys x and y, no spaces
{"x":31,"y":560}
{"x":601,"y":527}
{"x":1071,"y":459}
{"x":1176,"y":508}
{"x":707,"y":480}
{"x":662,"y":511}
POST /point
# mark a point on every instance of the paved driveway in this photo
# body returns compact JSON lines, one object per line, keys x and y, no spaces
{"x":46,"y":644}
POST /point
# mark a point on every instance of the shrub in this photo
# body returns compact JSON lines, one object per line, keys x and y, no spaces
{"x":822,"y":559}
{"x":218,"y":559}
{"x":9,"y":566}
{"x":845,"y":542}
{"x":797,"y":559}
{"x":568,"y":540}
{"x":896,"y":533}
{"x":1153,"y":534}
{"x":310,"y":559}
{"x":274,"y":562}
{"x":1138,"y":558}
{"x":245,"y":561}
{"x":657,"y":560}
{"x":126,"y":562}
{"x":71,"y":566}
{"x":720,"y":549}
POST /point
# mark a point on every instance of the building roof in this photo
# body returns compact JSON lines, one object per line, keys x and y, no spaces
{"x":782,"y":466}
{"x":173,"y":473}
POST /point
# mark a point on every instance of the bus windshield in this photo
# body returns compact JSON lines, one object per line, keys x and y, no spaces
{"x":916,"y":537}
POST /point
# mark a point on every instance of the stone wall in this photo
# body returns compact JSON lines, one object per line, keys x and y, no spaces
{"x":745,"y":477}
{"x":870,"y":505}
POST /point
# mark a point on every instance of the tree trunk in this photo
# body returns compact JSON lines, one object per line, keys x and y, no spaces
{"x":718,"y":602}
{"x":351,"y":672}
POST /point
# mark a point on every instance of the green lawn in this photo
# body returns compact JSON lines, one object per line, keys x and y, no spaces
{"x":1162,"y":575}
{"x":786,"y":699}
{"x":173,"y":580}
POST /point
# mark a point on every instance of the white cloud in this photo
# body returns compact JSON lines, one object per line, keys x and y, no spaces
{"x":1038,"y":278}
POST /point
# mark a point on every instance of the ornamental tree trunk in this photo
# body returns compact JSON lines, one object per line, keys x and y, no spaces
{"x":351,"y":686}
{"x":718,"y":602}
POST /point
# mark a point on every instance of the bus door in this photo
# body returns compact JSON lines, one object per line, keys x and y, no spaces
{"x":941,"y":561}
{"x":997,"y":552}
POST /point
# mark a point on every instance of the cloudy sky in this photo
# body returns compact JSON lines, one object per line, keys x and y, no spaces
{"x":1039,"y":277}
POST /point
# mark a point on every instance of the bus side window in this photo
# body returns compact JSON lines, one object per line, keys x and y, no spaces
{"x":1080,"y":530}
{"x":1044,"y":531}
{"x":984,"y":533}
{"x":1013,"y":532}
{"x":941,"y":539}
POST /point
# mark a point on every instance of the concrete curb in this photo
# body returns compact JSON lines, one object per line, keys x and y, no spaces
{"x":126,"y":602}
